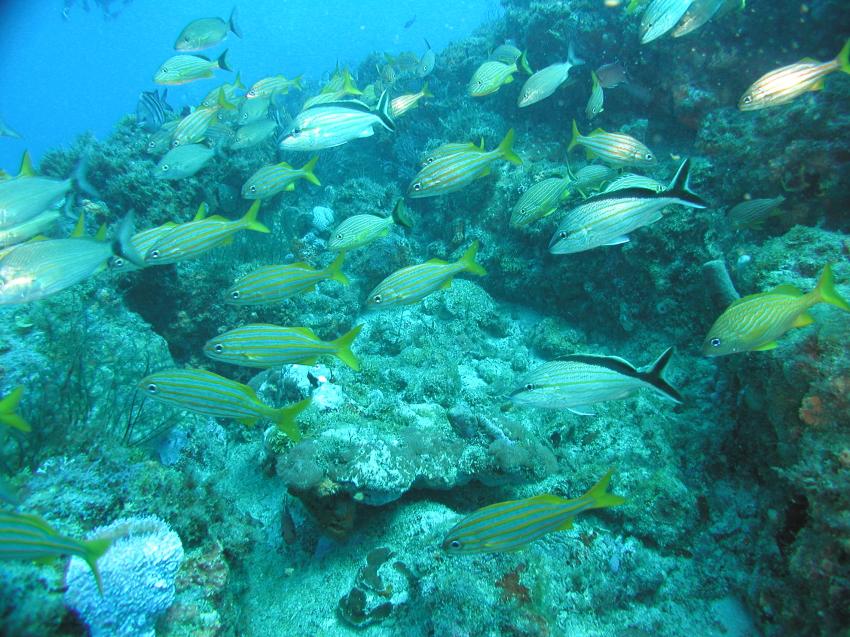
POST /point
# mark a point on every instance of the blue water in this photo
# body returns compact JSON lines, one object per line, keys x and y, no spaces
{"x":84,"y":73}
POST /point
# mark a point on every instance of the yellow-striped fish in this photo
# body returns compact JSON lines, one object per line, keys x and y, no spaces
{"x":756,"y":322}
{"x":508,"y":54}
{"x":182,"y":69}
{"x":753,"y":212}
{"x":254,"y":110}
{"x":29,"y":537}
{"x":9,"y":415}
{"x":193,"y":128}
{"x":274,"y":85}
{"x":578,"y":381}
{"x":546,"y":81}
{"x":540,"y":200}
{"x":789,"y":82}
{"x":361,"y":230}
{"x":413,"y":283}
{"x":160,"y":141}
{"x":631,"y":180}
{"x":254,"y":133}
{"x":450,"y":173}
{"x":270,"y":180}
{"x":229,"y":89}
{"x":274,"y":283}
{"x":492,"y":75}
{"x":513,"y":525}
{"x":203,"y":392}
{"x":591,"y":176}
{"x":204,"y":33}
{"x":183,"y":161}
{"x":617,"y":149}
{"x":263,"y":345}
{"x":187,"y":240}
{"x":595,"y":103}
{"x":403,"y":103}
{"x":430,"y":156}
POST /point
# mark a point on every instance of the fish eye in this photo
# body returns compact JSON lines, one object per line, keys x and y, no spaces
{"x":118,"y":262}
{"x":339,"y":235}
{"x":152,"y":388}
{"x":526,"y":95}
{"x":649,"y":157}
{"x":219,"y":348}
{"x":154,"y":254}
{"x":234,"y":294}
{"x":165,"y":168}
{"x":253,"y":189}
{"x":296,"y":131}
{"x":377,"y":298}
{"x":562,"y":235}
{"x":417,"y":186}
{"x":715,"y":342}
{"x":455,"y":544}
{"x":163,"y":70}
{"x":529,"y":387}
{"x":747,"y":99}
{"x":151,"y":144}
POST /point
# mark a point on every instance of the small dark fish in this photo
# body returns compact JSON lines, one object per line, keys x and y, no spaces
{"x":611,"y":75}
{"x":287,"y":524}
{"x":410,"y":22}
{"x":152,"y":110}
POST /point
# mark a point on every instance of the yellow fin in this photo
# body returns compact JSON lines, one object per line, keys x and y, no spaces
{"x":80,"y":227}
{"x":568,"y":524}
{"x":343,"y":348}
{"x":766,"y":347}
{"x":787,"y":288}
{"x":100,"y":235}
{"x":817,"y":86}
{"x":26,"y":169}
{"x":202,"y":211}
{"x":803,"y":319}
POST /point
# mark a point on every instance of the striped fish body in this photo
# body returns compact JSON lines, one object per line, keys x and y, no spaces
{"x":403,"y":103}
{"x":505,"y":53}
{"x":229,"y":92}
{"x":182,"y":69}
{"x":489,"y":78}
{"x":543,"y":83}
{"x":275,"y":283}
{"x":429,"y":157}
{"x":596,"y":100}
{"x":254,"y":133}
{"x":359,"y":230}
{"x":152,"y":110}
{"x":192,"y":128}
{"x":28,"y":229}
{"x":412,"y":284}
{"x":660,"y":16}
{"x":141,"y":243}
{"x":160,"y":141}
{"x":789,"y":82}
{"x":616,"y":149}
{"x":191,"y":239}
{"x":700,"y":12}
{"x":183,"y":161}
{"x":592,"y":175}
{"x":37,"y":269}
{"x":254,"y":110}
{"x":630,"y":180}
{"x":269,"y":86}
{"x":23,"y":198}
{"x":327,"y":126}
{"x":755,"y":211}
{"x":323,"y":98}
{"x":270,"y":180}
{"x":539,"y":201}
{"x":264,"y":346}
{"x":513,"y":525}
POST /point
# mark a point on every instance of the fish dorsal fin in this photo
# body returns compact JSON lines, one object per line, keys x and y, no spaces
{"x":203,"y":209}
{"x":216,"y":218}
{"x":305,"y":331}
{"x":745,"y":299}
{"x":547,"y":498}
{"x":787,"y":289}
{"x":79,"y":230}
{"x":301,"y":264}
{"x":597,"y":131}
{"x":614,"y":363}
{"x":436,"y":262}
{"x":283,"y":164}
{"x":100,"y":235}
{"x":26,"y":169}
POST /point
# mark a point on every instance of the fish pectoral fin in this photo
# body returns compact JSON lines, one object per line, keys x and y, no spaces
{"x":508,"y":79}
{"x":817,"y":86}
{"x":367,"y":132}
{"x":765,"y":347}
{"x":566,"y":525}
{"x":248,"y":422}
{"x":581,"y":410}
{"x":446,"y":284}
{"x":803,"y":319}
{"x":290,"y":187}
{"x":617,"y":241}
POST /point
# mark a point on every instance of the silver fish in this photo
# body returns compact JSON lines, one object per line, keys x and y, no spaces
{"x":426,"y":64}
{"x":183,"y":161}
{"x":660,"y":16}
{"x":543,"y":83}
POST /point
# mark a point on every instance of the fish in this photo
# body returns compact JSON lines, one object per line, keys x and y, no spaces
{"x":209,"y":394}
{"x":452,"y":172}
{"x":160,"y":141}
{"x":182,"y":69}
{"x":540,"y":200}
{"x":229,"y":88}
{"x":427,"y":63}
{"x":188,"y":240}
{"x":275,"y":283}
{"x":591,"y":176}
{"x":546,"y":81}
{"x":152,"y":110}
{"x":274,"y":85}
{"x":183,"y":161}
{"x":8,"y":131}
{"x":254,"y":110}
{"x":756,"y":322}
{"x":28,"y":537}
{"x":412,"y":284}
{"x":430,"y":156}
{"x":700,"y":12}
{"x":410,"y":22}
{"x":254,"y":133}
{"x":270,"y":180}
{"x":630,"y":180}
{"x":342,"y":83}
{"x":492,"y":75}
{"x":660,"y":16}
{"x":753,"y":212}
{"x":360,"y":230}
{"x":336,"y":123}
{"x":509,"y":54}
{"x":514,"y":524}
{"x":9,"y":415}
{"x":786,"y":84}
{"x":403,"y":103}
{"x":611,"y":75}
{"x":387,"y":74}
{"x":28,"y":229}
{"x":578,"y":381}
{"x":596,"y":99}
{"x":27,"y":196}
{"x":608,"y":218}
{"x":207,"y":32}
{"x":141,"y":242}
{"x":617,"y":149}
{"x":193,"y":128}
{"x":262,"y":345}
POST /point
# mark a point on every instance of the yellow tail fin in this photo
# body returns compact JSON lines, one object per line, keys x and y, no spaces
{"x":284,"y":418}
{"x":93,"y":551}
{"x":469,"y":263}
{"x":250,"y":218}
{"x":9,"y":408}
{"x":343,"y":348}
{"x":425,"y":92}
{"x":334,"y":270}
{"x":825,"y":290}
{"x":307,"y":169}
{"x":507,"y":151}
{"x":601,"y":497}
{"x":575,"y":139}
{"x":843,"y":57}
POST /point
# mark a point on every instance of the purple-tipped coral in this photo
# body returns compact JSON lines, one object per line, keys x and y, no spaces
{"x":138,"y":574}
